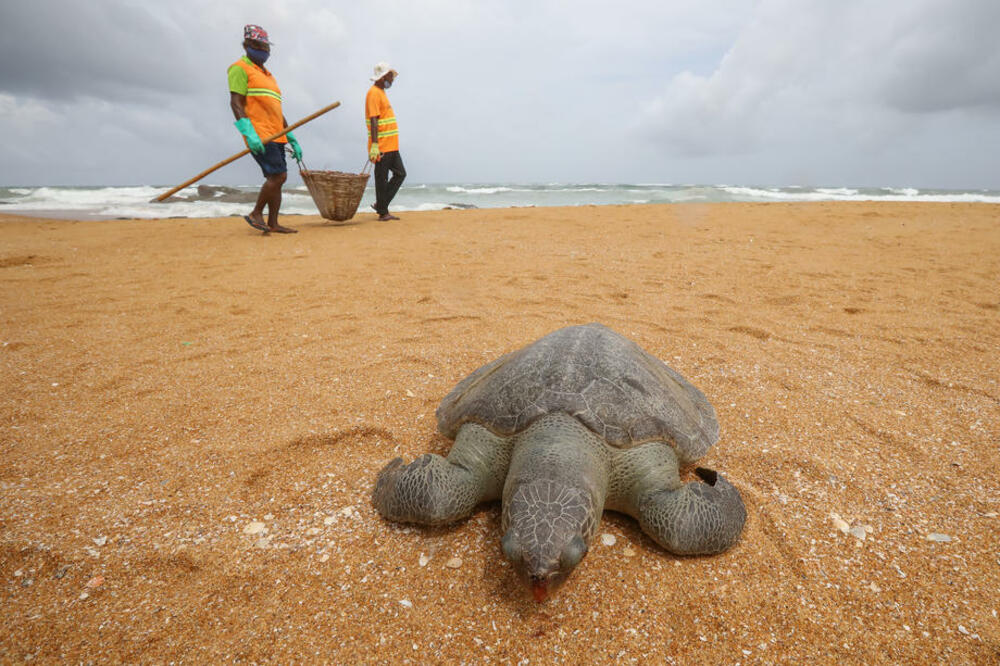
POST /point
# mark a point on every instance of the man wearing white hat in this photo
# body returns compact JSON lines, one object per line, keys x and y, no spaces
{"x":383,"y":141}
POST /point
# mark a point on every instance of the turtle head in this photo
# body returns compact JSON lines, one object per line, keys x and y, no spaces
{"x":546,"y":533}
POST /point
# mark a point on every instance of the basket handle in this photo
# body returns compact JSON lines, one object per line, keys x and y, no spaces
{"x":364,"y":170}
{"x":302,"y":165}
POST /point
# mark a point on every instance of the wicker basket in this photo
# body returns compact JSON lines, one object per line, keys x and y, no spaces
{"x":337,"y":194}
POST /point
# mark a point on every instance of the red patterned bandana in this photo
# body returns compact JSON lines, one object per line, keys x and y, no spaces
{"x":256,"y":33}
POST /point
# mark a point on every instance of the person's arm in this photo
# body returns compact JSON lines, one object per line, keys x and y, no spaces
{"x":374,"y":154}
{"x":292,"y":141}
{"x":238,"y":103}
{"x":373,"y":108}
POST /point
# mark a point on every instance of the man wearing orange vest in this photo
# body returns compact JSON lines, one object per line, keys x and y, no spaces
{"x":383,"y":141}
{"x":256,"y":102}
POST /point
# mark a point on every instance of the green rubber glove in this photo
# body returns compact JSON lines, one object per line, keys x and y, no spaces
{"x":253,"y":141}
{"x":296,"y":148}
{"x":374,"y":153}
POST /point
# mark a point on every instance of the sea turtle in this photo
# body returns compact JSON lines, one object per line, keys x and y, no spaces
{"x":579,"y":421}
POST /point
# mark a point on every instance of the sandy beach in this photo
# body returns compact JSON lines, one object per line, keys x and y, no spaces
{"x":193,"y":416}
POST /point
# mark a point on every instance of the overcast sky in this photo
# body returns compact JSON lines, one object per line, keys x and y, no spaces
{"x":755,"y":92}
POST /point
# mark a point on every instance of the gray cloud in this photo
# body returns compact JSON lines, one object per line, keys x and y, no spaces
{"x":943,"y":56}
{"x":112,"y":49}
{"x":769,"y":91}
{"x":807,"y":67}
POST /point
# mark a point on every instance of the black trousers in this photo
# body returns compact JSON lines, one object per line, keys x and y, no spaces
{"x":385,"y":189}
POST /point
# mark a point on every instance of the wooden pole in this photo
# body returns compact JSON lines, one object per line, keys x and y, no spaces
{"x":244,"y":152}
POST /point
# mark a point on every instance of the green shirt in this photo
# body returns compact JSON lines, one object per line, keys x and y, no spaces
{"x":238,"y":80}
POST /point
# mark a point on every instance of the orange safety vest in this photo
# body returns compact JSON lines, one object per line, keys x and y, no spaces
{"x":377,"y":104}
{"x":263,"y":103}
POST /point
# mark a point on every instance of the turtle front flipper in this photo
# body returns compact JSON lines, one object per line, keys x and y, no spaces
{"x":699,"y":518}
{"x":435,"y":491}
{"x":696,"y":518}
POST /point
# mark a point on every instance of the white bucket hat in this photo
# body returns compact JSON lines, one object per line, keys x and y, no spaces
{"x":382,"y":69}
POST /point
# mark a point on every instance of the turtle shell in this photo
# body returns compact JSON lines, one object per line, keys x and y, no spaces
{"x":614,"y":387}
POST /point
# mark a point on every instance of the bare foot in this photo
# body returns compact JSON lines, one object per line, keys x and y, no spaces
{"x":387,"y":217}
{"x":278,"y":229}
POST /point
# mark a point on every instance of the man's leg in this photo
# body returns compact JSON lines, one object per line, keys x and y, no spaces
{"x":381,"y":172}
{"x":274,"y":184}
{"x":270,"y":196}
{"x":272,"y":162}
{"x":398,"y":175}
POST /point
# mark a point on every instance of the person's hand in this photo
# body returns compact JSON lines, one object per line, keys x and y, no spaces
{"x":296,"y":149}
{"x":374,"y":153}
{"x":250,"y":134}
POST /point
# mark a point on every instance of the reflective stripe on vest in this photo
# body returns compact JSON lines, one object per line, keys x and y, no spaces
{"x":263,"y":92}
{"x":387,"y":131}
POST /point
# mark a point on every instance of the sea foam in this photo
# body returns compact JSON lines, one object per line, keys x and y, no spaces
{"x":218,"y":201}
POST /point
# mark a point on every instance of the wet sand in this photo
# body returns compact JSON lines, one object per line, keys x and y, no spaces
{"x":193,"y":416}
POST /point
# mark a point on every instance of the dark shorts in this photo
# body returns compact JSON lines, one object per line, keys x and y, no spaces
{"x":272,"y":161}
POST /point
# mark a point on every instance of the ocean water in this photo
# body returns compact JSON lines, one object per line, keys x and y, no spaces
{"x":221,"y":201}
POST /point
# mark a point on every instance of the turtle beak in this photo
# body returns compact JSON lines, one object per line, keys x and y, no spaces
{"x":540,"y":589}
